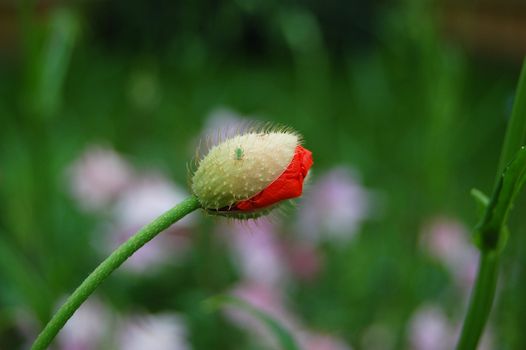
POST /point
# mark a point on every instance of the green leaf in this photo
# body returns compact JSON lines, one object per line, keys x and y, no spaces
{"x":491,"y":229}
{"x":283,"y":336}
{"x":481,"y":199}
{"x":516,"y":132}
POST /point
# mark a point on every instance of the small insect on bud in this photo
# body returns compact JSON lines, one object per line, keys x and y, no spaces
{"x":247,"y":175}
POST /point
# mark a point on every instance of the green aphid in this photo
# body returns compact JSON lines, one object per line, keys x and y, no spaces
{"x":239,"y":153}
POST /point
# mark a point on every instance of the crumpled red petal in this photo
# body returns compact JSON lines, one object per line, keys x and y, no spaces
{"x":288,"y":185}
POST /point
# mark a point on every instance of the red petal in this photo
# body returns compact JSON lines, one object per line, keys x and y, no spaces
{"x":288,"y":185}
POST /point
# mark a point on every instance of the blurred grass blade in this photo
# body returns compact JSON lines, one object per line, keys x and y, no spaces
{"x":283,"y":336}
{"x":20,"y":278}
{"x":56,"y":55}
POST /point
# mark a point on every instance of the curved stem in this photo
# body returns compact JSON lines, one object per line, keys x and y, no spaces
{"x":111,"y":263}
{"x":493,"y":227}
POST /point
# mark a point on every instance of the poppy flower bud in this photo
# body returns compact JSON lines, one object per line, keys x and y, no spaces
{"x":247,"y":175}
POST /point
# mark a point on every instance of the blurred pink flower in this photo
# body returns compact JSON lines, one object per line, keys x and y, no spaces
{"x":89,"y":327}
{"x":266,"y":299}
{"x":430,"y":329}
{"x":162,"y":331}
{"x":95,"y":326}
{"x":257,"y":250}
{"x":447,"y":241}
{"x":27,"y":325}
{"x":98,"y":176}
{"x":270,"y":301}
{"x":303,"y":260}
{"x":148,"y":197}
{"x":334,"y":207}
{"x":319,"y":341}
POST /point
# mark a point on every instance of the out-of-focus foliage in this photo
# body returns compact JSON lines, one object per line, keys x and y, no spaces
{"x":103,"y":103}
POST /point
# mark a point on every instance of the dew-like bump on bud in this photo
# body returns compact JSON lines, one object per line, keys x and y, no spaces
{"x":249,"y":174}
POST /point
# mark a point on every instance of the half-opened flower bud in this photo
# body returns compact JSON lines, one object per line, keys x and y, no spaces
{"x":249,"y":174}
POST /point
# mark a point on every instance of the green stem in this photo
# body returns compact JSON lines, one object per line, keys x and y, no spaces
{"x":481,"y":301}
{"x":111,"y":263}
{"x":493,"y":224}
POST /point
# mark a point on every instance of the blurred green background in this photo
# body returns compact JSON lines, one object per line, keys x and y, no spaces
{"x":403,"y":104}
